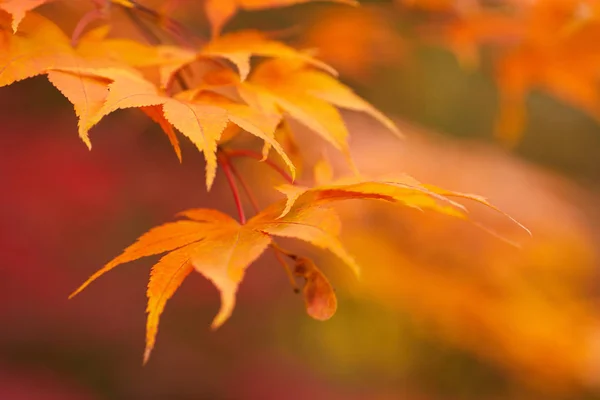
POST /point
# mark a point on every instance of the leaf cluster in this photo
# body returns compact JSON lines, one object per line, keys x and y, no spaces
{"x":213,"y":93}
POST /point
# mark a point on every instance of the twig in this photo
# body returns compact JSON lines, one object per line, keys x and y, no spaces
{"x":288,"y":271}
{"x":150,"y":36}
{"x":146,"y":32}
{"x":84,"y":22}
{"x":245,"y":188}
{"x":177,"y":30}
{"x":226,"y":166}
{"x":285,"y":252}
{"x":258,"y":156}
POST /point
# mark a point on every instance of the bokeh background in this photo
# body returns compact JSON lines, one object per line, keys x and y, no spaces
{"x":445,"y":309}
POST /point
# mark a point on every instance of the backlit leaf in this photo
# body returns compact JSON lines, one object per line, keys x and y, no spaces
{"x":156,"y":241}
{"x":309,"y":96}
{"x":156,"y":113}
{"x":401,"y":189}
{"x":166,"y":277}
{"x":168,"y":59}
{"x":39,"y":45}
{"x":238,"y":47}
{"x":87,"y":94}
{"x":202,"y":121}
{"x":319,"y":226}
{"x":219,"y":248}
{"x":224,"y":260}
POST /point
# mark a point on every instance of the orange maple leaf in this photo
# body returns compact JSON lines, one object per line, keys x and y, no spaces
{"x":200,"y":119}
{"x":41,"y":46}
{"x":238,"y":47}
{"x":309,"y":96}
{"x":218,"y":247}
{"x":401,"y":189}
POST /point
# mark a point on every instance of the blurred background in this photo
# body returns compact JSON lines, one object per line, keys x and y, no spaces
{"x":498,"y":98}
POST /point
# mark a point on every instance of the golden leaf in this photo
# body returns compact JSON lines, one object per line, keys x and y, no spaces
{"x":219,"y":248}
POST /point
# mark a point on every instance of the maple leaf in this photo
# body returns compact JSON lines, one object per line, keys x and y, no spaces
{"x":199,"y":118}
{"x":220,"y":11}
{"x":287,"y":139}
{"x":395,"y":189}
{"x":322,"y":172}
{"x":238,"y":47}
{"x":95,"y":47}
{"x":157,"y":115}
{"x":18,"y":8}
{"x":39,"y":45}
{"x":401,"y":189}
{"x":218,"y":247}
{"x":309,"y":96}
{"x":319,"y":226}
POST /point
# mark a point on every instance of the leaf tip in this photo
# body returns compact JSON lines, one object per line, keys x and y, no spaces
{"x":210,"y":179}
{"x":87,"y":141}
{"x":77,"y":291}
{"x":16,"y":21}
{"x":217,"y":322}
{"x":147,"y":353}
{"x":396,"y":131}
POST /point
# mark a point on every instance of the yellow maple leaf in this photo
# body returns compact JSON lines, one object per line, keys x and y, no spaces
{"x":309,"y":96}
{"x":311,"y":223}
{"x":401,"y":189}
{"x":200,"y":119}
{"x":95,"y":47}
{"x":238,"y":48}
{"x":39,"y":45}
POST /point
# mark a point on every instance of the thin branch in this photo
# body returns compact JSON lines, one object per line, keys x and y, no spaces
{"x":258,"y":156}
{"x":288,"y":271}
{"x":84,"y":22}
{"x":179,"y":32}
{"x":226,"y":166}
{"x":245,"y":188}
{"x":285,"y":252}
{"x":146,"y":32}
{"x":150,"y":36}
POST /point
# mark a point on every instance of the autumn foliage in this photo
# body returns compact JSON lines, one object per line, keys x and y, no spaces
{"x":218,"y":92}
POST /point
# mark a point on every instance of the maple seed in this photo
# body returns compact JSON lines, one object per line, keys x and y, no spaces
{"x":319,"y":295}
